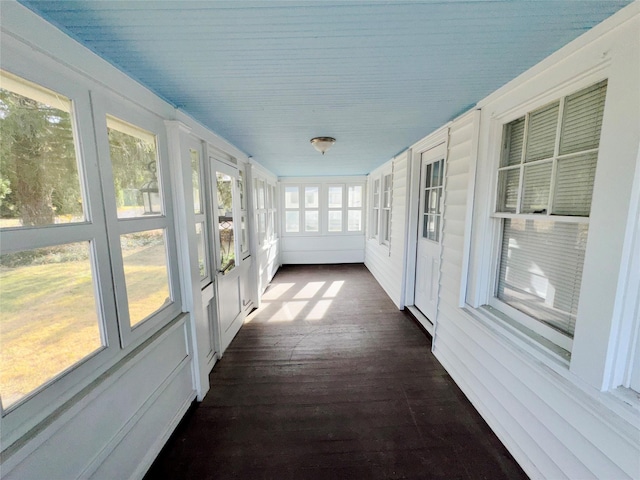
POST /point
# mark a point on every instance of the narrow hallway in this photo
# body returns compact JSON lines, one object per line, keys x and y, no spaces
{"x":329,"y":380}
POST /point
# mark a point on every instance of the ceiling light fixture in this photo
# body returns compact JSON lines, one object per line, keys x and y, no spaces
{"x":322,"y":144}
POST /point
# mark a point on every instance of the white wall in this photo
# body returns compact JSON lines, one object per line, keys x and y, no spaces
{"x":387,"y":262}
{"x":555,"y":420}
{"x":322,"y":247}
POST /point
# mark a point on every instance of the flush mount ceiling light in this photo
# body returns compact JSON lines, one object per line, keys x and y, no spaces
{"x":322,"y":144}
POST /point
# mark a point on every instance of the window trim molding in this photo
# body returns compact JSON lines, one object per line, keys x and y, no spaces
{"x":594,"y":347}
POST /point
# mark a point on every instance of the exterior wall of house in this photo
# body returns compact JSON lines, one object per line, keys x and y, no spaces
{"x":559,"y":421}
{"x":386,"y":261}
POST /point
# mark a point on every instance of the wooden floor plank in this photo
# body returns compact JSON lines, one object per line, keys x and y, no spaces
{"x":329,"y":380}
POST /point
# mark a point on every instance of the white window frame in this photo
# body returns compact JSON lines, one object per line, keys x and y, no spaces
{"x":386,"y":208}
{"x":102,"y":229}
{"x":109,"y":105}
{"x":596,"y":356}
{"x":202,"y":217}
{"x":323,"y":208}
{"x":374,"y":214}
{"x":562,"y":340}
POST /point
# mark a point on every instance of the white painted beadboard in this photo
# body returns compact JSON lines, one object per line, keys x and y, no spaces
{"x":386,"y":263}
{"x":322,"y":249}
{"x":117,"y":429}
{"x":555,"y":426}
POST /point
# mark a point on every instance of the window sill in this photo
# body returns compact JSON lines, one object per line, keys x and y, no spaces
{"x":522,"y":337}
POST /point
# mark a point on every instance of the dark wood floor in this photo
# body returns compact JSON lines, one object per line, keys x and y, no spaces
{"x":328,"y":380}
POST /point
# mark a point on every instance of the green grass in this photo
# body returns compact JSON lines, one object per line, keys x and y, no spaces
{"x":49,"y":319}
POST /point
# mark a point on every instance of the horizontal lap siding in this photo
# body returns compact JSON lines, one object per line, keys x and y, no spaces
{"x":553,"y":429}
{"x":387,"y":263}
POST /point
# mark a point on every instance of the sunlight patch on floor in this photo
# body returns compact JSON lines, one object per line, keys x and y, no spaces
{"x":289,"y":311}
{"x":276,"y":291}
{"x":319,"y":310}
{"x":309,"y":290}
{"x":333,"y":289}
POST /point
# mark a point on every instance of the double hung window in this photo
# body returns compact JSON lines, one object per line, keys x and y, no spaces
{"x":88,"y":254}
{"x":386,"y":208}
{"x":545,"y":184}
{"x":375,"y":209}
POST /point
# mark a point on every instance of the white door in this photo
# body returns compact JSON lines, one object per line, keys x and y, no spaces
{"x":429,"y":231}
{"x":226,"y":230}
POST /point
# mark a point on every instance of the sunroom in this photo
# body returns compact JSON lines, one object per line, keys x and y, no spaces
{"x":481,"y":159}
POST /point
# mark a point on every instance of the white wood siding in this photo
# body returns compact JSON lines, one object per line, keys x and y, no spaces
{"x":116,"y":429}
{"x":386,"y":262}
{"x":554,"y":424}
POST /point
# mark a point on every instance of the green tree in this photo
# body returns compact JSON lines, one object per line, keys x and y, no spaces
{"x":38,"y":164}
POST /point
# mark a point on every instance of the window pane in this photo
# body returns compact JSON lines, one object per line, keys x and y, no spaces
{"x":39,"y":181}
{"x":541,"y":269}
{"x":542,"y":133}
{"x":376,"y":193}
{"x":244,"y":244}
{"x":202,"y":256}
{"x":291,"y":197}
{"x":387,"y":191}
{"x":311,"y":197}
{"x":135,"y":165}
{"x":508,"y":181}
{"x":292,"y":222}
{"x":144,"y":255}
{"x":375,"y":221}
{"x":574,"y":185}
{"x":537,"y":184}
{"x":311,"y":221}
{"x":355,"y":196}
{"x":226,"y":230}
{"x":432,"y":200}
{"x":243,"y":201}
{"x":436,"y":173}
{"x":387,"y":224}
{"x":354,"y":221}
{"x":583,"y":119}
{"x":195,"y":180}
{"x":335,"y":220}
{"x":261,"y":194}
{"x":335,"y":197}
{"x":262,"y":226}
{"x":49,"y":316}
{"x":514,"y":135}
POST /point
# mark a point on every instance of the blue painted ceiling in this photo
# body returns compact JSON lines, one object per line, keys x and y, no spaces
{"x":377,"y":75}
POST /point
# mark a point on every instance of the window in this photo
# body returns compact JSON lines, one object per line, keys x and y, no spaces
{"x":354,"y":208}
{"x":244,"y":227}
{"x":334,"y":203}
{"x":323,"y":208}
{"x":199,"y":207}
{"x":311,"y":208}
{"x":144,"y":249}
{"x":545,"y":183}
{"x":291,"y":209}
{"x":431,"y":223}
{"x":375,"y":209}
{"x":386,"y":208}
{"x":52,"y":315}
{"x":88,"y":246}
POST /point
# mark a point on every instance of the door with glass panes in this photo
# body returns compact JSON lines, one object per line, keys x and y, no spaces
{"x":429,"y":231}
{"x":227,"y":229}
